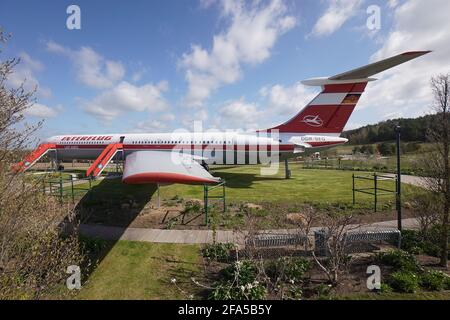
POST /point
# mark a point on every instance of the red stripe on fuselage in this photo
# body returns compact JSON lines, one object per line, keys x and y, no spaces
{"x":286,"y":147}
{"x":217,"y":148}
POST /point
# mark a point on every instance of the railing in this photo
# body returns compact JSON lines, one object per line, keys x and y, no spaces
{"x":103,"y":159}
{"x":357,"y":241}
{"x":275,"y":240}
{"x":66,"y":188}
{"x":34,"y":156}
{"x":207,"y":196}
{"x":376,"y":191}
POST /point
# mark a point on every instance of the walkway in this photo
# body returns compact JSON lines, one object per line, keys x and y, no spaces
{"x":412,"y":180}
{"x":201,"y":236}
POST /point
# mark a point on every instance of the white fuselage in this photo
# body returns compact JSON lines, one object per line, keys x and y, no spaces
{"x":211,"y":147}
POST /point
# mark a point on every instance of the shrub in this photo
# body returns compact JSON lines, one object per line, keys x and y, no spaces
{"x":416,"y":242}
{"x":404,"y":281}
{"x":447,"y":283}
{"x":323,"y":291}
{"x":385,"y":288}
{"x":288,"y":268}
{"x":192,"y":207}
{"x":399,"y":259}
{"x":243,"y":272}
{"x":239,"y":283}
{"x":412,"y":242}
{"x":217,"y":251}
{"x":434,"y":280}
{"x":230,"y":291}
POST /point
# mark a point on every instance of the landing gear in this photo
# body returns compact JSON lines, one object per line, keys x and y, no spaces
{"x":60,"y":167}
{"x":286,"y":169}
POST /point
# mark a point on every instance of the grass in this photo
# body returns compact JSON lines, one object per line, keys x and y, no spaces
{"x":140,"y":270}
{"x":245,"y":183}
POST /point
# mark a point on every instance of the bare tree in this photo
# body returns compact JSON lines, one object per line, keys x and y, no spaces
{"x":34,"y":252}
{"x":338,"y":260}
{"x":426,"y":208}
{"x":437,"y":164}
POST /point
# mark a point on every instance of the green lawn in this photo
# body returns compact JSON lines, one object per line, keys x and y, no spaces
{"x":245,"y":183}
{"x":140,"y":270}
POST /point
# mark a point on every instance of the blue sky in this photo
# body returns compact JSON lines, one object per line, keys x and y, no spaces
{"x":150,"y":66}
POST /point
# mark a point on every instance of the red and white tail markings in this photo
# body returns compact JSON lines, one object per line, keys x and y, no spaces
{"x":330,"y":110}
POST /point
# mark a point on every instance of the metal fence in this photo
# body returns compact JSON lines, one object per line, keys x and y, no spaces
{"x":66,"y":187}
{"x":376,"y":190}
{"x":358,"y":241}
{"x":275,"y":240}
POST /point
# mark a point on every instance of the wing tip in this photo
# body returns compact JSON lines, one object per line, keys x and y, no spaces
{"x":416,"y":53}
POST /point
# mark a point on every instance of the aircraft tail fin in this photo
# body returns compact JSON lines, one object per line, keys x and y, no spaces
{"x":330,"y":110}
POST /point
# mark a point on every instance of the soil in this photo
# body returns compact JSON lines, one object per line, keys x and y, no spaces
{"x":351,"y":283}
{"x":181,"y":214}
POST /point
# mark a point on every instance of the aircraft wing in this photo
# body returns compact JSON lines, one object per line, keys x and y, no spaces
{"x":164,"y":167}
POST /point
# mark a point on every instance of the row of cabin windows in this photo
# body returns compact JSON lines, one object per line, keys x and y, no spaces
{"x":151,"y":142}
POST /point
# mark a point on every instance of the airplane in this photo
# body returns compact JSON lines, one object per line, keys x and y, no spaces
{"x":183,"y":157}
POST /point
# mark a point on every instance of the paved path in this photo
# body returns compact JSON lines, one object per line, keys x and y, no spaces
{"x":201,"y":236}
{"x":413,"y":180}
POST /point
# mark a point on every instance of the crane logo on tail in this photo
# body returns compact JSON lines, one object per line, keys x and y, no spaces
{"x":313,"y":121}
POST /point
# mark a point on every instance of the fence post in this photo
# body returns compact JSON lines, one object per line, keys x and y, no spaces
{"x":205,"y":192}
{"x":375,"y":187}
{"x":60,"y":187}
{"x":353,"y":187}
{"x":73,"y":196}
{"x":223,"y":194}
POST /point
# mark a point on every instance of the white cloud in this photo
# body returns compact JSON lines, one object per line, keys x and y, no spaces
{"x":206,"y":3}
{"x":405,"y":90}
{"x":42,"y":111}
{"x":279,"y":103}
{"x":238,"y":115}
{"x":288,"y":100}
{"x":168,"y":117}
{"x":191,"y":118}
{"x":92,"y":69}
{"x":150,"y":126}
{"x":392,"y":3}
{"x":253,"y":31}
{"x":25,"y":73}
{"x":336,"y":14}
{"x":158,"y":123}
{"x":127,"y":97}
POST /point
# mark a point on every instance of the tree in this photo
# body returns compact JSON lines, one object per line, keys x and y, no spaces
{"x":437,"y":164}
{"x":338,"y":260}
{"x":35,"y":249}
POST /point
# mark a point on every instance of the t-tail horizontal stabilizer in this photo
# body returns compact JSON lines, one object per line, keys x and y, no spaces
{"x":330,"y":110}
